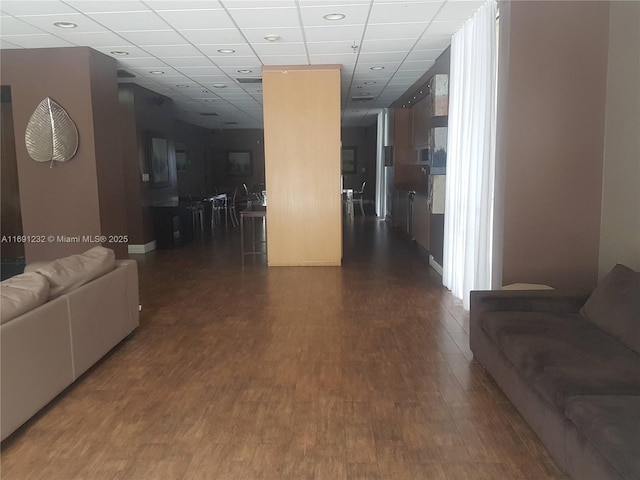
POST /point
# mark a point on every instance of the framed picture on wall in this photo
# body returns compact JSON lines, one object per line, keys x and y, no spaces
{"x":158,"y":159}
{"x":182,"y":162}
{"x":349,"y":161}
{"x":239,"y":163}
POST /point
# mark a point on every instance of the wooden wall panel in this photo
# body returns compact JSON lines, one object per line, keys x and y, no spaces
{"x":302,"y":165}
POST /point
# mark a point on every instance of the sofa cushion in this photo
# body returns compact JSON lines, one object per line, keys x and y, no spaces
{"x":614,"y":306}
{"x":67,"y":273}
{"x":563,"y":355}
{"x":22,"y":293}
{"x":611,"y":424}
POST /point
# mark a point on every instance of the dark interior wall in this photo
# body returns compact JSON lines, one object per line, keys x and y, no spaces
{"x":131,"y":168}
{"x":551,"y":116}
{"x":237,"y":140}
{"x":142,"y":112}
{"x":10,"y":202}
{"x":60,"y":199}
{"x":364,"y":139}
{"x":108,"y":151}
{"x":198,"y":142}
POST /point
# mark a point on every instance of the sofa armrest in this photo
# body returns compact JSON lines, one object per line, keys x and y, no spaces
{"x":526,"y":301}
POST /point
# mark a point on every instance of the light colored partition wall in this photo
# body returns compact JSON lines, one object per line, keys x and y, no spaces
{"x":302,"y":165}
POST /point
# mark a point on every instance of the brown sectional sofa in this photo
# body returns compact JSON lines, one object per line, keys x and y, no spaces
{"x":571,"y":365}
{"x":57,"y":320}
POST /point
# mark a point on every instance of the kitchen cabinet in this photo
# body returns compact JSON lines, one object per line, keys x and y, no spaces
{"x":420,"y":221}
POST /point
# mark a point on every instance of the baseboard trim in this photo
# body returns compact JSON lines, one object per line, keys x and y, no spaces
{"x":435,"y":265}
{"x":142,"y":249}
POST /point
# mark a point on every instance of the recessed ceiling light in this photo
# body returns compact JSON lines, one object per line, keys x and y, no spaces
{"x":226,"y":50}
{"x":272,"y":37}
{"x":219,"y":85}
{"x":182,"y":85}
{"x":156,"y":72}
{"x":377,"y":67}
{"x":245,"y":70}
{"x":65,"y":25}
{"x":119,"y":53}
{"x":369,"y":83}
{"x":334,"y":16}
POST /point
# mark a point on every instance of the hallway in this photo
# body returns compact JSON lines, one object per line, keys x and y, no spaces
{"x":358,"y":372}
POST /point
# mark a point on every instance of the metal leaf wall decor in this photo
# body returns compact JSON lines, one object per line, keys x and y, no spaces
{"x":51,"y":135}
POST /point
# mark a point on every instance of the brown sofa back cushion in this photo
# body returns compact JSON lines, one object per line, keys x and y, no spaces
{"x":614,"y":306}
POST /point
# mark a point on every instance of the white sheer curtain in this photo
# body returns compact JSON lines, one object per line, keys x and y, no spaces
{"x":471,"y":156}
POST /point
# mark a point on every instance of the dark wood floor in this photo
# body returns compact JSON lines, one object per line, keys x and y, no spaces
{"x":359,"y":372}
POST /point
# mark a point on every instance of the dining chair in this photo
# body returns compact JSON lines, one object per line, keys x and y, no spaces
{"x":233,"y":209}
{"x":358,"y":197}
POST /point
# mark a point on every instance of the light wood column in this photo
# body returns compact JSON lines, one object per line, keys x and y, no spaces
{"x":302,"y":164}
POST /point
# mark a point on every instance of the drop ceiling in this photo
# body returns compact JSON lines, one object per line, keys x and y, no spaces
{"x":384,"y":46}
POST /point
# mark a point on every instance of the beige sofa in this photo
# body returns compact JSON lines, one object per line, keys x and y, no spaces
{"x":58,"y":319}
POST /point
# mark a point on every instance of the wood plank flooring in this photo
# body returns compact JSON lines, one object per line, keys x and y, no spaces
{"x":359,"y":372}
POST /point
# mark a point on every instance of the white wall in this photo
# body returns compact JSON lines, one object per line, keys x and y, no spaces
{"x":620,"y":228}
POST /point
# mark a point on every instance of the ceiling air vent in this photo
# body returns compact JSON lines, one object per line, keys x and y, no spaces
{"x":249,"y":80}
{"x":362,"y":98}
{"x":208,"y":114}
{"x":124,"y":74}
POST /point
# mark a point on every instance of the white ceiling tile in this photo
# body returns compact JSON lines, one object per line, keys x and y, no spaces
{"x":272,"y":49}
{"x":34,"y":7}
{"x":428,"y":42}
{"x":99,"y":6}
{"x":197,"y":19}
{"x":459,"y":10}
{"x":346,"y":59}
{"x":8,"y":45}
{"x":287,"y":34}
{"x":312,"y":15}
{"x":241,"y":50}
{"x":264,"y":17}
{"x":46,"y":23}
{"x":387,"y":45}
{"x":156,"y":37}
{"x":38,"y":41}
{"x":346,"y":33}
{"x":134,"y":52}
{"x":182,"y":4}
{"x":208,"y":70}
{"x":130,"y":21}
{"x":391,"y":31}
{"x":285,"y":60}
{"x":423,"y":55}
{"x":233,"y":70}
{"x":172,"y":50}
{"x":237,"y":62}
{"x":443,"y":28}
{"x":392,"y":12}
{"x":213,"y":37}
{"x":381,"y":58}
{"x":210,"y":80}
{"x":146,"y":63}
{"x":14,"y":26}
{"x":197,"y":61}
{"x":248,"y":4}
{"x":96,"y":39}
{"x":328,"y":48}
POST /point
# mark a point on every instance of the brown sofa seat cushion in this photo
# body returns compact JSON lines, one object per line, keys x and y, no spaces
{"x":563,"y":355}
{"x":611,"y":424}
{"x":614,"y":306}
